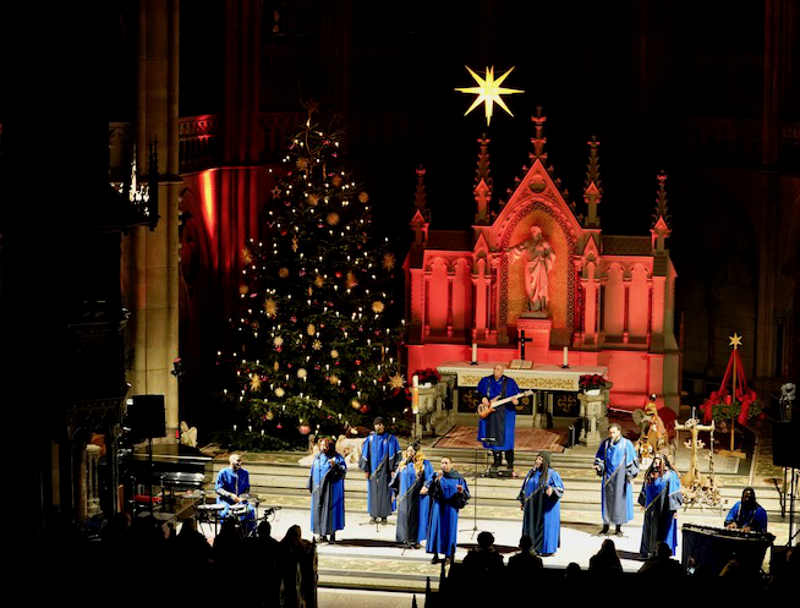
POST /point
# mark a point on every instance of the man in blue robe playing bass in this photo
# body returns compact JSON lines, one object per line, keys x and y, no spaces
{"x":496,"y":432}
{"x":616,"y":463}
{"x":326,"y":484}
{"x":380,"y":454}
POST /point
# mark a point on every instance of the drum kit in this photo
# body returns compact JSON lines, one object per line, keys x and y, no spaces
{"x":210,"y":514}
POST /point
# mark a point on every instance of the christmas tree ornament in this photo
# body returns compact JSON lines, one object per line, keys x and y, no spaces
{"x":279,"y":392}
{"x":316,"y":345}
{"x":334,"y":354}
{"x":334,"y":379}
{"x":243,"y":289}
{"x":377,"y":307}
{"x":355,"y":404}
{"x":302,"y":163}
{"x":364,"y":409}
{"x":336,"y":181}
{"x":295,"y":243}
{"x":277,"y":341}
{"x":269,"y":415}
{"x":247,"y":257}
{"x":363,"y":197}
{"x":302,"y":373}
{"x":304,"y":429}
{"x":310,"y":329}
{"x":283,"y":272}
{"x":333,"y":218}
{"x":397,"y":381}
{"x":388,"y":261}
{"x":351,"y":281}
{"x":319,"y":281}
{"x":313,"y":200}
{"x":276,"y":366}
{"x":270,"y":307}
{"x":255,"y":382}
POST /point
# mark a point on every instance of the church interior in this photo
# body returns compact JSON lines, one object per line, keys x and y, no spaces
{"x":240,"y":226}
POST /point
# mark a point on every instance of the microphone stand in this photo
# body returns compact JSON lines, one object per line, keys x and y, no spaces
{"x":474,"y":495}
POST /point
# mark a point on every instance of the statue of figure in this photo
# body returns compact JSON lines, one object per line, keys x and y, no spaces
{"x":541,"y":258}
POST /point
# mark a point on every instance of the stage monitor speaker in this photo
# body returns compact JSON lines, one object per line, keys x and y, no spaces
{"x":146,"y":416}
{"x":786,"y":444}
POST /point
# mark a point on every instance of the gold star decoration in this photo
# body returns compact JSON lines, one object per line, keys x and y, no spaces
{"x":388,"y":261}
{"x":319,"y":281}
{"x":333,"y":379}
{"x":295,"y":243}
{"x":377,"y":307}
{"x":255,"y":382}
{"x":736,"y":341}
{"x":316,"y":345}
{"x":397,"y":381}
{"x":270,"y":307}
{"x":488,"y":92}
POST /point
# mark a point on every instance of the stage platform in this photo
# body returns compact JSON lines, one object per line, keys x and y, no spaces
{"x":367,"y":558}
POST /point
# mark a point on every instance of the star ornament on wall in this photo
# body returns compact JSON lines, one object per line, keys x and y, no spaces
{"x":489,"y":92}
{"x":736,"y":340}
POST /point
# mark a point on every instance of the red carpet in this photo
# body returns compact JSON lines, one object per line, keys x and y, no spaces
{"x":531,"y":440}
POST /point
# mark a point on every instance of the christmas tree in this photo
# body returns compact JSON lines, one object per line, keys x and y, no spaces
{"x":315,"y":345}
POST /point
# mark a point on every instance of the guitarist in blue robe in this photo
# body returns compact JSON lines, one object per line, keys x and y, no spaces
{"x":498,"y":427}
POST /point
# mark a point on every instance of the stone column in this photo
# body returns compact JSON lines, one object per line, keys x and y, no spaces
{"x":153,"y":263}
{"x":92,"y":480}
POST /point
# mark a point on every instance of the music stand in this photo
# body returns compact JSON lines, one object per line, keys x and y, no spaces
{"x":474,"y":495}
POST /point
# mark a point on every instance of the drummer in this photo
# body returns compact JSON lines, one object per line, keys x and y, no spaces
{"x":233,"y":487}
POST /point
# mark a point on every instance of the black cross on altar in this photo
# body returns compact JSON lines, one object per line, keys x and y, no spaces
{"x":522,"y":341}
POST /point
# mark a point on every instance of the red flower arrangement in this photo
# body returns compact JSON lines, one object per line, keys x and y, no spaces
{"x":591,"y":381}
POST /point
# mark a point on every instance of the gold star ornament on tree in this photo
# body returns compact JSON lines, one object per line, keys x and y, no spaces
{"x":489,"y":92}
{"x":735,"y":341}
{"x":397,"y":381}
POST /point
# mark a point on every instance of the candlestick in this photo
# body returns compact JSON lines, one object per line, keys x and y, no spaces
{"x":565,"y":362}
{"x":474,"y":354}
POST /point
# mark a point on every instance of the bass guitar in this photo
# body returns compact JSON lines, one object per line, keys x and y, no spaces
{"x":484,"y":410}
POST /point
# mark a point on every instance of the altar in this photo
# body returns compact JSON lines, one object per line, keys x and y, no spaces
{"x":558,"y":400}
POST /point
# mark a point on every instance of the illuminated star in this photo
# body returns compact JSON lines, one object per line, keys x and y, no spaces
{"x":397,"y":381}
{"x":489,"y":92}
{"x":736,"y":341}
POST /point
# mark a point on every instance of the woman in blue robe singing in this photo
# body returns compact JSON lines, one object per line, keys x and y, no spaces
{"x":449,"y":494}
{"x":413,"y":474}
{"x":326,"y":484}
{"x":540,"y":501}
{"x":661,"y":498}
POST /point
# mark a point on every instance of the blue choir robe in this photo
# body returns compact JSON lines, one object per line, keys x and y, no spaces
{"x":618,"y":466}
{"x":326,"y":484}
{"x":237,"y":482}
{"x":661,"y":497}
{"x":500,"y":423}
{"x":754,"y":517}
{"x":541,"y":519}
{"x":379,"y":457}
{"x":412,"y":508}
{"x":446,"y":502}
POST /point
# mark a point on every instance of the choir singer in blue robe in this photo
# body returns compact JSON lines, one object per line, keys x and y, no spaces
{"x":413,"y":474}
{"x":661,"y":498}
{"x":449,"y":494}
{"x":747,"y":514}
{"x":616,"y":463}
{"x":380,"y":454}
{"x":540,"y":499}
{"x":326,"y":484}
{"x":499,"y":425}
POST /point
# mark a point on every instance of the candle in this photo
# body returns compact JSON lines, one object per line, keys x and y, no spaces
{"x":234,"y":428}
{"x":692,"y":411}
{"x":474,"y":352}
{"x":415,"y":381}
{"x":565,"y":363}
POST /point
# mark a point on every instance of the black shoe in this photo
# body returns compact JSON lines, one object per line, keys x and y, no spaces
{"x":618,"y":531}
{"x":436,"y":560}
{"x":383,"y":520}
{"x":604,"y":531}
{"x":332,"y":540}
{"x":372,"y":520}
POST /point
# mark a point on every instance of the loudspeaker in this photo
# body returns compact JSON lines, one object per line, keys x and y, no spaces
{"x":146,"y":416}
{"x":786,"y":444}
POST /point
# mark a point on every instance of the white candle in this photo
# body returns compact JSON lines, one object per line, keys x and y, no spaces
{"x":474,"y":352}
{"x":415,"y":381}
{"x":234,"y":428}
{"x":565,"y":357}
